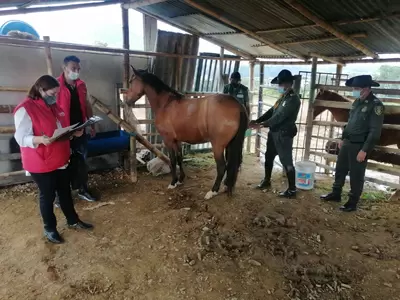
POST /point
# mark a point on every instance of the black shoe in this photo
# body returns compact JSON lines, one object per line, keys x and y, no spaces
{"x":264,"y":184}
{"x":80,"y":225}
{"x":85,"y":195}
{"x":334,"y":197}
{"x":349,"y":208}
{"x":288,"y":194}
{"x":53,"y":236}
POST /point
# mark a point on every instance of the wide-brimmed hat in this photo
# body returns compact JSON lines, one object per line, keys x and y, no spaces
{"x":235,"y":75}
{"x":361,"y":81}
{"x":283,"y":77}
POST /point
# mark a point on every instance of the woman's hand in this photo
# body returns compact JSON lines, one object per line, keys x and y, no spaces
{"x":44,"y":140}
{"x":78,"y":133}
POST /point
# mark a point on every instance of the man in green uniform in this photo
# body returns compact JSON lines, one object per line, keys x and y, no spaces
{"x":360,"y":135}
{"x":281,"y":119}
{"x":238,"y":90}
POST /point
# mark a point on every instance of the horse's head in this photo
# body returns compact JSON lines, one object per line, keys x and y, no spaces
{"x":136,"y":87}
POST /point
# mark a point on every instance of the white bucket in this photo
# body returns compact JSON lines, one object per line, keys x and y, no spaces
{"x":305,"y":171}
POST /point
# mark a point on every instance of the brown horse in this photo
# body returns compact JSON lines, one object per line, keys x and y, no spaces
{"x":218,"y":119}
{"x":388,"y":136}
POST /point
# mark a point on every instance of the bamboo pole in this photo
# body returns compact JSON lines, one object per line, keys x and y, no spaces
{"x":328,"y":27}
{"x":251,"y":86}
{"x":12,"y":89}
{"x":260,"y":108}
{"x":310,"y":110}
{"x":7,"y":129}
{"x":346,"y":88}
{"x":7,"y":109}
{"x":320,"y":39}
{"x":129,"y":128}
{"x":327,"y":58}
{"x":49,"y":60}
{"x":128,"y":114}
{"x":342,"y":124}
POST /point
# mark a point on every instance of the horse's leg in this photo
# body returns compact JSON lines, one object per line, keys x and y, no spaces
{"x":182,"y":174}
{"x":172,"y":157}
{"x":221,"y":167}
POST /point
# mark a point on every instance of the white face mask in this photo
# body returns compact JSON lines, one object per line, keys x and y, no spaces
{"x":73,"y":75}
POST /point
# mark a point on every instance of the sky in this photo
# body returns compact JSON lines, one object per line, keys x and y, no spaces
{"x":88,"y":25}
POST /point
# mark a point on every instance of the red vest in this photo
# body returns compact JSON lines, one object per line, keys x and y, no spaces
{"x":64,"y":97}
{"x":48,"y":158}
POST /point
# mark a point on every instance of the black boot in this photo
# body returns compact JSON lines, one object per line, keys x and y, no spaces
{"x":334,"y":196}
{"x":350,"y":205}
{"x":264,"y":184}
{"x":85,"y":195}
{"x":53,"y":236}
{"x":80,"y":225}
{"x":291,"y":177}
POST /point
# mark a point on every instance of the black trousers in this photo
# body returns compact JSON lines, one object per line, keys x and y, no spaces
{"x":78,"y":167}
{"x":347,"y":161}
{"x":282,"y":145}
{"x":50,"y":183}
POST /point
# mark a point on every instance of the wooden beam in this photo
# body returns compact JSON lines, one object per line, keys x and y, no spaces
{"x":55,"y":8}
{"x":328,"y":27}
{"x":342,"y":124}
{"x":310,"y":109}
{"x":49,"y":59}
{"x":248,"y":32}
{"x":140,"y":3}
{"x":327,"y":58}
{"x":315,"y":40}
{"x":340,"y":22}
{"x":349,"y":89}
{"x":68,"y":46}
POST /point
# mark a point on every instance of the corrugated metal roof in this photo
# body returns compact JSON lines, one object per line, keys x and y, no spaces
{"x":203,"y":24}
{"x":245,"y":43}
{"x":383,"y":35}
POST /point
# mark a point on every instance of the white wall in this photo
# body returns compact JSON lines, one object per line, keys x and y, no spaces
{"x":21,"y":66}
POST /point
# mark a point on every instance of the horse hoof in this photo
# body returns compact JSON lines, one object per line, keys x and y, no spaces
{"x":171,"y":187}
{"x":210,"y":194}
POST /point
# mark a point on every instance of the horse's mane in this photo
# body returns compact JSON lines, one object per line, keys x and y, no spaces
{"x":157,"y":84}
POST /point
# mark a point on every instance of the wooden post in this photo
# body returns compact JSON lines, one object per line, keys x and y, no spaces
{"x":260,"y":107}
{"x":310,"y":111}
{"x":338,"y":75}
{"x":125,"y":36}
{"x":251,"y":87}
{"x":49,"y":60}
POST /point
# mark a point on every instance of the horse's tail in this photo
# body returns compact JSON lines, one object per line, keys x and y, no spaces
{"x":234,"y":153}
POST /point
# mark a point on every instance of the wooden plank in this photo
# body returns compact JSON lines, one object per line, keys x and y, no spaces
{"x":374,"y":180}
{"x":392,"y":170}
{"x":349,"y":89}
{"x":342,"y":124}
{"x":7,"y":129}
{"x":389,"y":109}
{"x":377,"y":148}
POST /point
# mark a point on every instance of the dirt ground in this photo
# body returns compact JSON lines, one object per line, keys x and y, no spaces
{"x":150,"y":243}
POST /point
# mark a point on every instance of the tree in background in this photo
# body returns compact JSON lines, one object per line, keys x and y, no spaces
{"x":386,"y":72}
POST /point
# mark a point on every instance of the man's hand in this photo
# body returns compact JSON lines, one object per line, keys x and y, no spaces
{"x":254,"y":125}
{"x":92,"y":132}
{"x":340,"y":144}
{"x":78,"y":133}
{"x":361,"y":156}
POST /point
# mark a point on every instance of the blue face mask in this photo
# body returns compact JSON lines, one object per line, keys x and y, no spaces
{"x":50,"y":100}
{"x":356,"y":93}
{"x":281,"y":90}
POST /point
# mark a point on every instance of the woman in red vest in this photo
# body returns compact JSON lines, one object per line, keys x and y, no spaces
{"x":36,"y":119}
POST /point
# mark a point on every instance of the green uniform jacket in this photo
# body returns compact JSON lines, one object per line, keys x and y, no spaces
{"x":283,"y":115}
{"x":240,"y":92}
{"x":365,"y":122}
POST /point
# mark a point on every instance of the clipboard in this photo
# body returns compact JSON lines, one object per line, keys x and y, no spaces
{"x":68,"y":131}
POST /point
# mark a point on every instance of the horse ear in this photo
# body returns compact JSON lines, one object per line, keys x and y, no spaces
{"x":134,"y":72}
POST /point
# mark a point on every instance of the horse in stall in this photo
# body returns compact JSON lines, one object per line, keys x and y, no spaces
{"x":218,"y":119}
{"x":388,"y":136}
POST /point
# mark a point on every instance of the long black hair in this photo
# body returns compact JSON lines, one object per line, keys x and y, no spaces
{"x":45,"y":82}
